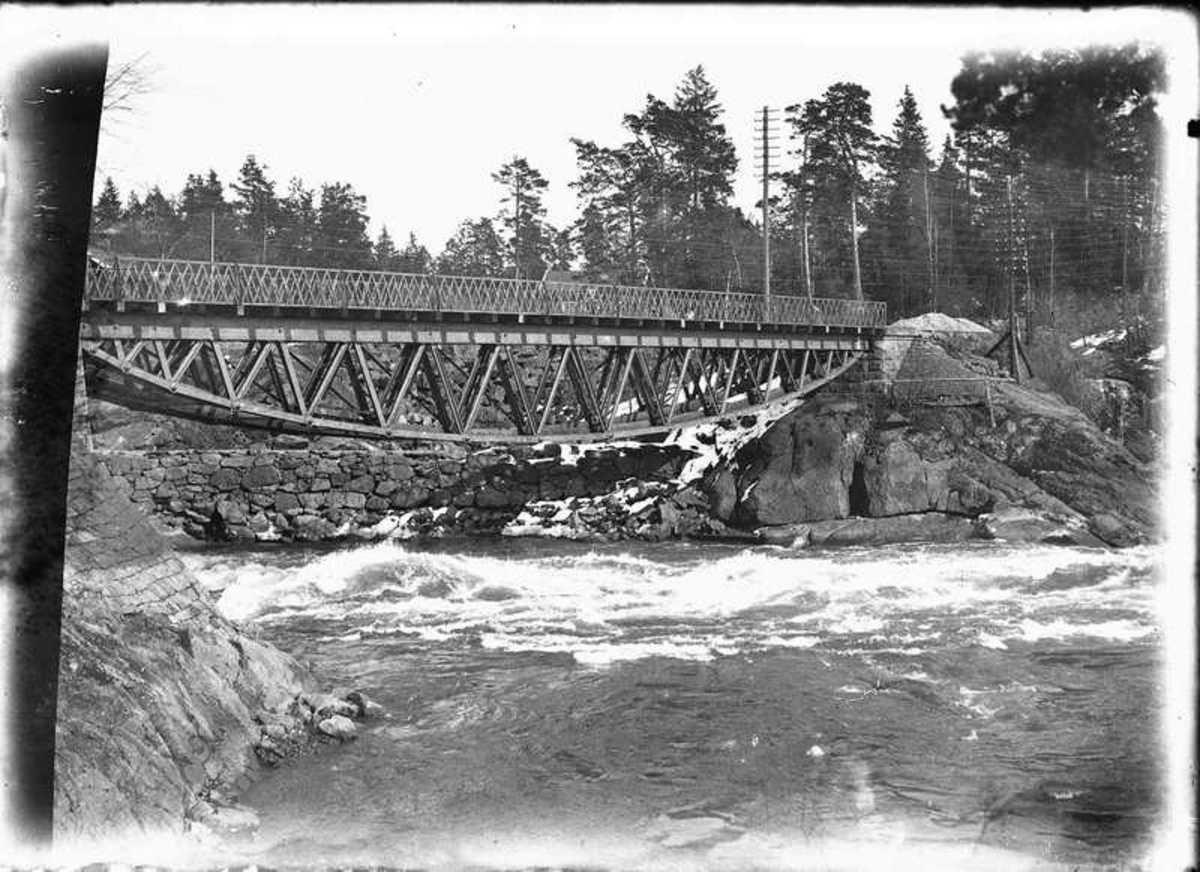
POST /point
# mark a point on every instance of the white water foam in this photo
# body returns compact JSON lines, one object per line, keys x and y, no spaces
{"x":606,"y":607}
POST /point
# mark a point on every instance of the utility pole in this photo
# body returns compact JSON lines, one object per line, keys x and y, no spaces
{"x":768,"y":150}
{"x":1051,"y":301}
{"x":212,"y":253}
{"x":1125,"y":240}
{"x":1013,"y":359}
{"x":929,"y":242}
{"x":517,"y":232}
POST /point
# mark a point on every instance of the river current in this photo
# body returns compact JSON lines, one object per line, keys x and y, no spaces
{"x":682,"y":705}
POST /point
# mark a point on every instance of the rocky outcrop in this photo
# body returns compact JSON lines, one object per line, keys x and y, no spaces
{"x":161,"y":700}
{"x":802,"y":468}
{"x":1027,"y":466}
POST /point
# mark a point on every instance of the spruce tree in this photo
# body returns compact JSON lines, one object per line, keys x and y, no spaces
{"x":107,"y":213}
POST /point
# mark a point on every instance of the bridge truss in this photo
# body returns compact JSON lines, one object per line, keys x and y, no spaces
{"x":475,"y":372}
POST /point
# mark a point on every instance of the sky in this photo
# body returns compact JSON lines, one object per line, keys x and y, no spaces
{"x":417,"y":105}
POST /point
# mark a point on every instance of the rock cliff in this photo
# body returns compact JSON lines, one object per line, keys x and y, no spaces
{"x":161,"y":700}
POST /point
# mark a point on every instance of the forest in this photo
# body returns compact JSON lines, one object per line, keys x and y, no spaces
{"x":1047,"y":191}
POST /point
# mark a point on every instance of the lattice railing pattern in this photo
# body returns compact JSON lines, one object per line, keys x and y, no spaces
{"x":144,"y":280}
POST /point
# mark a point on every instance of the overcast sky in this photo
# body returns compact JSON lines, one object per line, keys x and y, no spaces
{"x":416,"y":106}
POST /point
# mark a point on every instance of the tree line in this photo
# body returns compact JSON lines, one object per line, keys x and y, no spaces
{"x":1049,"y":184}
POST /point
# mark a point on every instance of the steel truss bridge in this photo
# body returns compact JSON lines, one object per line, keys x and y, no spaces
{"x":397,"y":356}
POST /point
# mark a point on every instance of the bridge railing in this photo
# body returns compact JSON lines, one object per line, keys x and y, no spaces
{"x":180,"y":282}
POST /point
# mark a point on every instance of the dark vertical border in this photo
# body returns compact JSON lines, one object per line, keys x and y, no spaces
{"x":52,"y":106}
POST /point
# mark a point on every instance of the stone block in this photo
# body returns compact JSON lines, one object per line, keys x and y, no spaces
{"x":261,"y":476}
{"x":362,"y":484}
{"x":284,"y":501}
{"x":226,"y":479}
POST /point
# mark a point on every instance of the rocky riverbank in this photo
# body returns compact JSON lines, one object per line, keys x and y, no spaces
{"x":166,"y":710}
{"x":855,"y":468}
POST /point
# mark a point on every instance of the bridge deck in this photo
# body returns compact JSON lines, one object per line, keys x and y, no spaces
{"x":392,"y":355}
{"x":314,"y":292}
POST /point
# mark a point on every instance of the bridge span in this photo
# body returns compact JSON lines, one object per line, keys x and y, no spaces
{"x":383,"y":355}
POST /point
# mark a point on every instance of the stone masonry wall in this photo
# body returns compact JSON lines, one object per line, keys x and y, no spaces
{"x":319,"y":493}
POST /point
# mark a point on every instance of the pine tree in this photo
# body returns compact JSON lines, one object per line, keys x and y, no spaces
{"x":414,"y":258}
{"x":387,"y":258}
{"x":702,"y":149}
{"x":160,"y":225}
{"x":107,"y":214}
{"x":256,"y":207}
{"x":684,"y":163}
{"x":841,"y":146}
{"x":476,"y":249}
{"x":610,"y":192}
{"x":524,"y":218}
{"x":901,"y":237}
{"x":209,"y":228}
{"x":297,"y":237}
{"x":342,"y":239}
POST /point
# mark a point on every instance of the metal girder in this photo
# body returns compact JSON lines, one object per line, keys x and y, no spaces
{"x":488,"y":392}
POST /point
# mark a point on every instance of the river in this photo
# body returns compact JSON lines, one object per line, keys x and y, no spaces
{"x":684,"y":705}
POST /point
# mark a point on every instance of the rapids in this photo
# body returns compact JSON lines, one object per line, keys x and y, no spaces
{"x":683,"y":705}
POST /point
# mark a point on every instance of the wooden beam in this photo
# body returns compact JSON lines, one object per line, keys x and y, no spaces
{"x":646,"y":389}
{"x":683,"y":373}
{"x":771,"y":374}
{"x":518,"y":398}
{"x":406,"y":371}
{"x":164,"y":360}
{"x":223,"y":368}
{"x":585,"y":393}
{"x":184,"y":363}
{"x":612,"y":418}
{"x":708,"y":397}
{"x":435,"y":375}
{"x":563,"y":363}
{"x":324,"y":372}
{"x":289,"y":368}
{"x":730,"y":374}
{"x":280,"y":394}
{"x":368,"y":384}
{"x":479,"y":390}
{"x":259,"y":358}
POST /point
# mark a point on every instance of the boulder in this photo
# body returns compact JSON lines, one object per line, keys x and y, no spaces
{"x":896,"y":482}
{"x":325,"y":705}
{"x":802,"y":467}
{"x":926,"y":527}
{"x":337,"y":727}
{"x":1028,"y":525}
{"x":231,"y":512}
{"x":787,"y":536}
{"x":366,"y":707}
